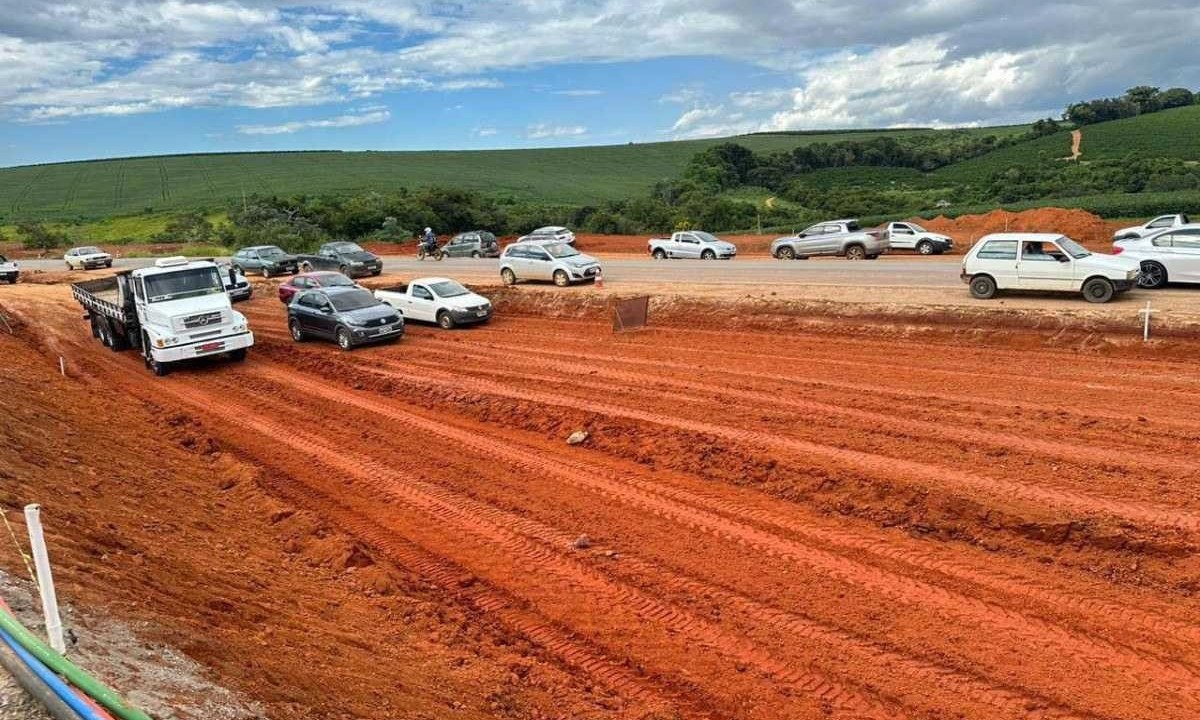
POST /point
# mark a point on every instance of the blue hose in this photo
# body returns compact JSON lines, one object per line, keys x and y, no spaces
{"x":53,"y":681}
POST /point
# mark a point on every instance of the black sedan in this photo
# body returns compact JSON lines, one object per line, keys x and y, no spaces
{"x":345,"y":257}
{"x":349,"y":316}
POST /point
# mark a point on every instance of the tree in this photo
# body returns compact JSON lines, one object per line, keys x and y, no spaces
{"x":1046,"y":126}
{"x":1144,"y":97}
{"x":190,"y":227}
{"x":39,"y":237}
{"x":1176,"y":97}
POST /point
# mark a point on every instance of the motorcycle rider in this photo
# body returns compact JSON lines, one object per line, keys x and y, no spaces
{"x":429,"y":240}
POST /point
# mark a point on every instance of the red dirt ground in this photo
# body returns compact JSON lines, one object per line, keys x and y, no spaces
{"x":803,"y":522}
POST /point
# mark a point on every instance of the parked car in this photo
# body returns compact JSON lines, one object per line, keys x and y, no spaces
{"x":551,"y":234}
{"x":9,"y":270}
{"x":559,"y":262}
{"x":350,"y":316}
{"x":476,"y":244}
{"x":911,"y":236}
{"x":87,"y":258}
{"x":691,"y":244}
{"x":1171,"y":255}
{"x":311,"y":281}
{"x":437,"y":300}
{"x":1162,"y":222}
{"x":346,"y":257}
{"x":835,"y":237}
{"x":236,"y":285}
{"x":267,"y":260}
{"x":1045,"y":261}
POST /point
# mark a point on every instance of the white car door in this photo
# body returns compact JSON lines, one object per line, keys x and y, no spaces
{"x":541,"y":266}
{"x":422,"y":305}
{"x":997,"y":258}
{"x":1184,"y":263}
{"x":1045,"y":266}
{"x":902,"y":236}
{"x":689,"y":246}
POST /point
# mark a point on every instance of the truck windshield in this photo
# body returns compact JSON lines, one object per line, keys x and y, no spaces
{"x":1073,"y":248}
{"x":345,"y":302}
{"x":705,"y":237}
{"x":448,"y":289}
{"x":917,"y":228}
{"x":561,"y":250}
{"x":180,"y":284}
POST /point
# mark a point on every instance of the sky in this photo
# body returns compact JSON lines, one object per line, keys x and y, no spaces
{"x":101,"y":78}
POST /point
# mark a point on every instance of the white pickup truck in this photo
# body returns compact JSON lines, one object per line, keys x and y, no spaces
{"x":911,"y":236}
{"x":176,"y":310}
{"x":691,"y":244}
{"x":1159,"y":223}
{"x":9,"y":272}
{"x":437,"y":300}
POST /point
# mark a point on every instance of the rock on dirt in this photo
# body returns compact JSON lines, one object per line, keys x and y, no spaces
{"x":577,"y":437}
{"x":583,"y":542}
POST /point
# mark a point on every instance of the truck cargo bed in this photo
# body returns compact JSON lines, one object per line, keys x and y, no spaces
{"x":103,"y":296}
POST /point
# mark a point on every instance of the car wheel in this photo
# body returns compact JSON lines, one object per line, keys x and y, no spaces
{"x":343,"y":339}
{"x":304,"y":267}
{"x":660,"y":254}
{"x":561,"y":278}
{"x":708,"y":255}
{"x":786,"y":253}
{"x":296,"y":330}
{"x":266,"y":273}
{"x":508,"y":277}
{"x":238,"y":355}
{"x":1098,"y":290}
{"x":925,"y":247}
{"x":344,"y":270}
{"x":856,"y":252}
{"x":108,"y":264}
{"x":475,"y":255}
{"x":1153,"y":276}
{"x":445,"y":320}
{"x":983,"y":287}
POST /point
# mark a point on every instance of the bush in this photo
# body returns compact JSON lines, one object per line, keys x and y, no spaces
{"x":191,"y":228}
{"x":35,"y":236}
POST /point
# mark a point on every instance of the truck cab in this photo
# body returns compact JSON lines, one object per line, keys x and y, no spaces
{"x":691,"y":244}
{"x":176,"y":310}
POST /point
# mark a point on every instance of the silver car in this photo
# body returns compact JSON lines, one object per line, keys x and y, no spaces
{"x":557,"y":262}
{"x":834,"y":237}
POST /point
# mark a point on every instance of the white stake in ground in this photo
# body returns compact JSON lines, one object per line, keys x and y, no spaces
{"x":62,"y":366}
{"x":41,"y":560}
{"x":1145,"y":313}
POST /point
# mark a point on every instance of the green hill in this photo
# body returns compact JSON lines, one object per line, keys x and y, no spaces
{"x":580,"y":175}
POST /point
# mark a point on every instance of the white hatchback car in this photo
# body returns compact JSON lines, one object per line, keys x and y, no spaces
{"x":558,"y":262}
{"x":1045,"y":261}
{"x":1171,"y":255}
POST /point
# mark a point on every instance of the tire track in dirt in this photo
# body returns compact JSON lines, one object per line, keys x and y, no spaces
{"x":696,"y":511}
{"x":495,"y":527}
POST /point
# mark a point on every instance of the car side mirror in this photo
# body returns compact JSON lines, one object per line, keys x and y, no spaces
{"x":1063,"y":258}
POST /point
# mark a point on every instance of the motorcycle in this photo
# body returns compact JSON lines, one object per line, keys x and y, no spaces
{"x":430,"y":250}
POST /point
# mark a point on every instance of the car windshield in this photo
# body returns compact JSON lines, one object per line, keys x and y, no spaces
{"x":271,"y":251}
{"x":561,"y":250}
{"x":448,"y":289}
{"x":1073,"y":248}
{"x":705,"y":237}
{"x":346,"y":247}
{"x":88,"y":251}
{"x":3,"y":259}
{"x":345,"y":302}
{"x":180,"y":284}
{"x":335,"y":280}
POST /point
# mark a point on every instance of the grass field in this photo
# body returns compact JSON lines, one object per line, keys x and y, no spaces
{"x":103,"y":188}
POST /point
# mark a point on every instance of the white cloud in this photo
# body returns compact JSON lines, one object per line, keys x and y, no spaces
{"x":579,"y":93}
{"x":341,"y":121}
{"x":484,"y":132}
{"x":542,"y":131}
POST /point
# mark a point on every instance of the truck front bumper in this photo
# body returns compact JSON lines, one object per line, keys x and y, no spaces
{"x":202,"y":348}
{"x":466,"y":317}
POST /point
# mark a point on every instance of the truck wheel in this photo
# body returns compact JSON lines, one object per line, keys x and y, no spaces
{"x":508,"y":277}
{"x":1153,"y":276}
{"x":158,"y":368}
{"x":295,"y":329}
{"x":105,"y":333}
{"x":238,"y":355}
{"x":925,"y":247}
{"x":708,"y":255}
{"x":561,"y":278}
{"x":95,"y":326}
{"x":786,"y":253}
{"x":343,"y":339}
{"x":983,"y":287}
{"x":856,"y":252}
{"x":445,"y":320}
{"x":660,"y":254}
{"x":1098,"y":290}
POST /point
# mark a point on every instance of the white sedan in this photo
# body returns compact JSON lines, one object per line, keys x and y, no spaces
{"x":1171,"y":255}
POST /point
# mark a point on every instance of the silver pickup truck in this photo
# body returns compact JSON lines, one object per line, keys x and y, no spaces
{"x":691,"y":244}
{"x":833,"y":237}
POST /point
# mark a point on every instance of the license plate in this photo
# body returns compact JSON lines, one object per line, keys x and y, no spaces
{"x":210,"y":347}
{"x":481,"y":313}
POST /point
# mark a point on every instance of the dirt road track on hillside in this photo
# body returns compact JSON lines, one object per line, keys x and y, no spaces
{"x":782,"y":525}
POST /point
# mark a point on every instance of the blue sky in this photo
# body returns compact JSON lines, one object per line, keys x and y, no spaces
{"x":105,"y":78}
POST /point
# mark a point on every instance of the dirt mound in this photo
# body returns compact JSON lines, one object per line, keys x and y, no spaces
{"x":1092,"y":230}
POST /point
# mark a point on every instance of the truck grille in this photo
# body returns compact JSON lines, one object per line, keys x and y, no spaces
{"x":202,"y":320}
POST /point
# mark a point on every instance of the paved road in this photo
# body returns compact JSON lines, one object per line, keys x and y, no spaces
{"x":885,"y":272}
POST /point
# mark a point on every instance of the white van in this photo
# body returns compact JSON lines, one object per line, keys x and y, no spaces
{"x":1045,"y":261}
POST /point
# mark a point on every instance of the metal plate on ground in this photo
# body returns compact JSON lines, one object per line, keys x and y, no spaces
{"x":630,"y":313}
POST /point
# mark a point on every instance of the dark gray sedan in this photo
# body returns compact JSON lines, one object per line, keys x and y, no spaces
{"x":349,"y":316}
